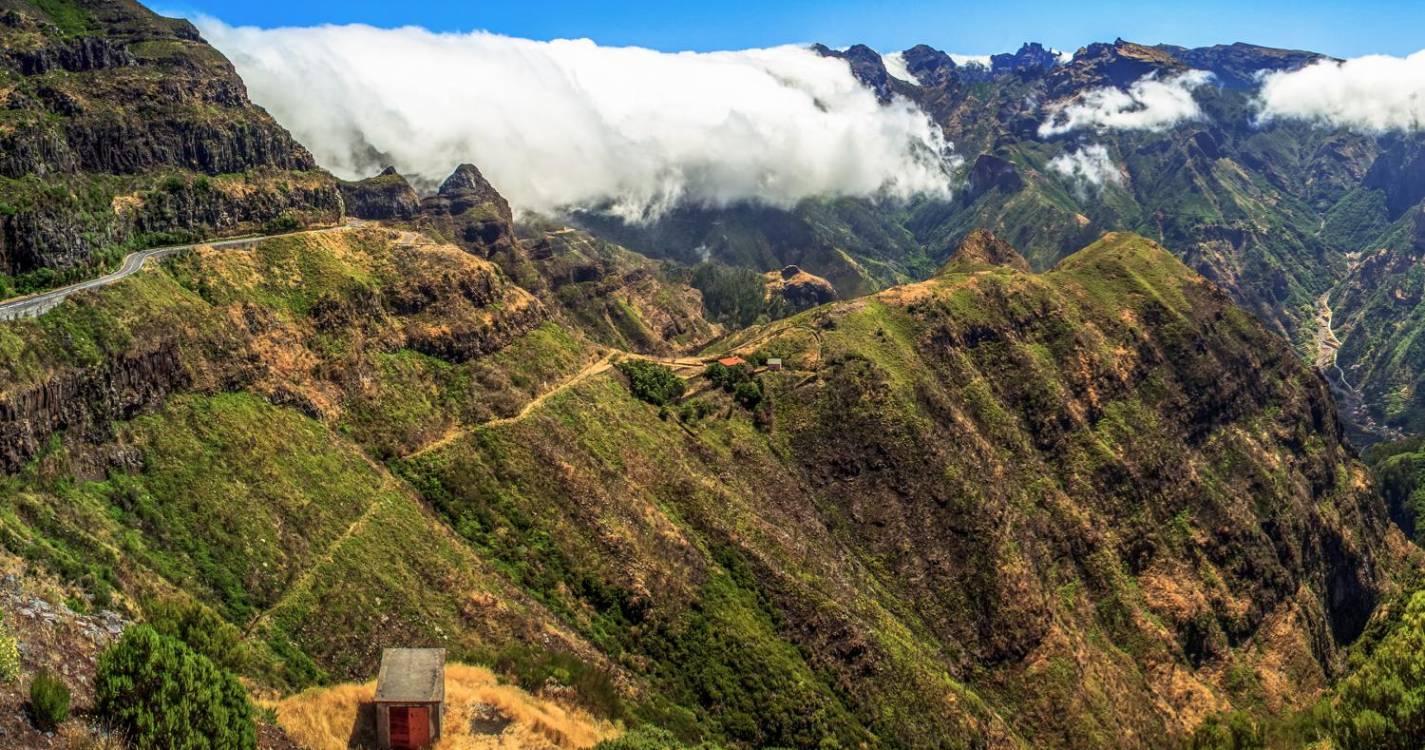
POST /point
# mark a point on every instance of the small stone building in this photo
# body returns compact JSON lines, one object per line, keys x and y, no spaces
{"x":410,"y":698}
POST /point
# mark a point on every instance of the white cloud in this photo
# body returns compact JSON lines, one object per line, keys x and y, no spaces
{"x":1089,"y":169}
{"x":982,"y":61}
{"x":1372,"y":94}
{"x":896,"y":67}
{"x":567,"y":123}
{"x":1150,"y":103}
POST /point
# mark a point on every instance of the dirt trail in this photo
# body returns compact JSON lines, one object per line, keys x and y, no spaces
{"x":686,"y":368}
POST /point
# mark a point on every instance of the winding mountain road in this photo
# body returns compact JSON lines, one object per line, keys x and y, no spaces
{"x":35,"y":305}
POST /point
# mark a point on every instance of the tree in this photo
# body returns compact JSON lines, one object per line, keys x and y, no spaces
{"x":163,"y":694}
{"x":49,"y":700}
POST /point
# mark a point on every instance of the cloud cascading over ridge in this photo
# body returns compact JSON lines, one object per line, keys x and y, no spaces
{"x":567,"y":123}
{"x":1372,"y":94}
{"x":1150,"y":103}
{"x":1089,"y":169}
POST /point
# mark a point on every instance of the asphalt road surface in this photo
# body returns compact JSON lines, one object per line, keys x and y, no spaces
{"x":35,"y":305}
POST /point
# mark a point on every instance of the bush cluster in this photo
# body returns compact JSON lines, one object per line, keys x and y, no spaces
{"x":737,"y":381}
{"x":652,"y":382}
{"x":162,"y":694}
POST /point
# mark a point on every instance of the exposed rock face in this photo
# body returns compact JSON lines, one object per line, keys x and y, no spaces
{"x":469,"y":212}
{"x":799,"y":289}
{"x":930,"y":66}
{"x":386,"y":196}
{"x":106,"y":100}
{"x":982,"y":248}
{"x":85,"y":401}
{"x":60,"y":233}
{"x":467,"y":184}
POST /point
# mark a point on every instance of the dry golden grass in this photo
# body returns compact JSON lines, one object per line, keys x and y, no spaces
{"x":326,"y":718}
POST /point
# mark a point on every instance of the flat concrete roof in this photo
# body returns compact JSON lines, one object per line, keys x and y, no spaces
{"x":411,"y":675}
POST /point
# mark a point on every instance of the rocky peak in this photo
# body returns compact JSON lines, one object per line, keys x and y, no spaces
{"x":384,"y":197}
{"x":866,"y":65}
{"x":930,"y":66}
{"x":1032,"y":57}
{"x":982,"y":248}
{"x":468,"y":184}
{"x":1118,"y":64}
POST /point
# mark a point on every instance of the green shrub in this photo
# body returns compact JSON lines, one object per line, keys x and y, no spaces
{"x":1231,"y":731}
{"x":748,"y":393}
{"x":49,"y":700}
{"x":162,"y":694}
{"x":652,"y":382}
{"x":281,"y":224}
{"x":202,"y":630}
{"x":531,"y":668}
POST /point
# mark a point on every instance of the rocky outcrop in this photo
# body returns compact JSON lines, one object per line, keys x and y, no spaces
{"x":60,"y":232}
{"x":982,"y":248}
{"x":85,"y":401}
{"x":72,"y":55}
{"x":930,"y":66}
{"x":469,"y":211}
{"x":798,"y":290}
{"x":387,"y":196}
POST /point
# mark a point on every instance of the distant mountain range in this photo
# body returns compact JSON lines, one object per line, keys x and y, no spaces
{"x":1289,"y":216}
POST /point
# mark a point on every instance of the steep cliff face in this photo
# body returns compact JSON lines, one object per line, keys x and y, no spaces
{"x":387,"y":196}
{"x":108,"y":107}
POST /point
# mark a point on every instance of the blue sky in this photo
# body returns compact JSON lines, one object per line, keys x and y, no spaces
{"x":1338,"y":28}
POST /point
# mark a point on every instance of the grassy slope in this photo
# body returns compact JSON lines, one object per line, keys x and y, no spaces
{"x":990,"y":508}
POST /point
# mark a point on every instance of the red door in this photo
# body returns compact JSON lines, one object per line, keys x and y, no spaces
{"x":410,"y":727}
